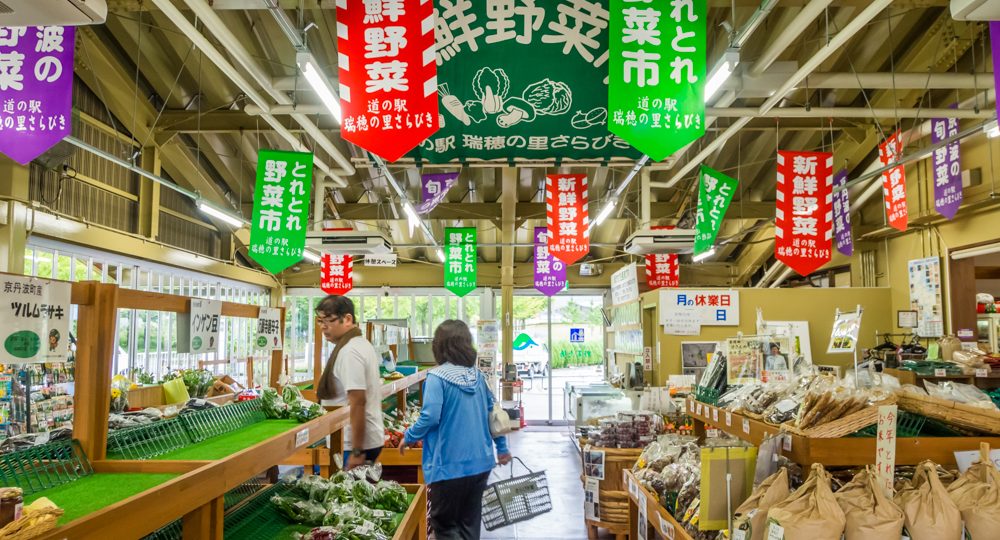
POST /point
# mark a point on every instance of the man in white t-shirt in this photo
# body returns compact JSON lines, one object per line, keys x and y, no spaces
{"x":351,"y":377}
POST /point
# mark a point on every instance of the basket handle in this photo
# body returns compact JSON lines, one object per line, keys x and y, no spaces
{"x":522,"y":464}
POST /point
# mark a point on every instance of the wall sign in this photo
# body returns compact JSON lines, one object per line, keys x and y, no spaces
{"x":715,"y":191}
{"x":34,"y":320}
{"x":925,"y":296}
{"x":707,"y":307}
{"x":947,"y":167}
{"x":624,"y":286}
{"x":434,"y":188}
{"x":844,"y":337}
{"x":550,"y":272}
{"x":268,"y":330}
{"x":36,"y":89}
{"x":842,"y":214}
{"x":906,"y":319}
{"x":885,"y":448}
{"x":198,"y":330}
{"x":280,"y":208}
{"x":894,"y":182}
{"x":802,"y":224}
{"x":336,"y":273}
{"x":460,"y":263}
{"x":386,"y":261}
{"x":388,"y":78}
{"x":567,"y":216}
{"x":576,"y":335}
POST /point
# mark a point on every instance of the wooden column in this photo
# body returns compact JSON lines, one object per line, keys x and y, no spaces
{"x":207,"y":522}
{"x":94,"y":355}
{"x":962,"y":294}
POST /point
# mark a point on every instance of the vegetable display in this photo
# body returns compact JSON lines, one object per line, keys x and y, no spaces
{"x":395,"y":427}
{"x":289,"y":404}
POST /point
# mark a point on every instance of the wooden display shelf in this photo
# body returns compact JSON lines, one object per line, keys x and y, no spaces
{"x":908,"y":377}
{"x":839,"y":452}
{"x":411,"y":457}
{"x":657,"y":517}
{"x":414,"y":523}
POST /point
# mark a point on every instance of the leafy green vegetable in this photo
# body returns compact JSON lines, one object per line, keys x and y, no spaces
{"x":364,"y":493}
{"x":390,"y":496}
{"x":272,"y":405}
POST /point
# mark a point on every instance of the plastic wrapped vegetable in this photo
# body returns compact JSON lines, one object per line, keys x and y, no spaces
{"x":291,"y":393}
{"x":391,"y":496}
{"x":300,"y":510}
{"x":307,"y":411}
{"x":364,"y":493}
{"x":313,"y":487}
{"x":272,"y":405}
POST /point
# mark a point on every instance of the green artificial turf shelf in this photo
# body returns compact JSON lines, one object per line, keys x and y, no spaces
{"x":97,"y":491}
{"x":226,"y":445}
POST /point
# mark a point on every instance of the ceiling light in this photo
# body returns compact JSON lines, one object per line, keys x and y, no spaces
{"x":988,"y":249}
{"x":222,"y":215}
{"x":320,"y":84}
{"x":992,"y":129}
{"x":311,"y":256}
{"x":440,"y":254}
{"x":722,"y":70}
{"x":702,"y":256}
{"x":411,"y":213}
{"x":604,"y":213}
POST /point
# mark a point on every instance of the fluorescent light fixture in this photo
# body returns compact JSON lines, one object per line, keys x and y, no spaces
{"x":411,"y":214}
{"x":320,"y":84}
{"x":604,"y":213}
{"x":311,"y":256}
{"x":988,"y":249}
{"x":992,"y":129}
{"x":222,"y":215}
{"x":702,"y":256}
{"x":722,"y":70}
{"x":440,"y":254}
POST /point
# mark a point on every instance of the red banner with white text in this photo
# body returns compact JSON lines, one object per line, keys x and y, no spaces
{"x":662,"y":269}
{"x":804,"y":215}
{"x":566,"y":214}
{"x":337,"y":274}
{"x":894,"y":182}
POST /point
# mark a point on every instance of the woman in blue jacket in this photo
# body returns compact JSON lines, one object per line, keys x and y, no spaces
{"x":454,"y":425}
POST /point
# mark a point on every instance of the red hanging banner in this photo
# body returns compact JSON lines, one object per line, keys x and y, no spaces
{"x":662,"y":269}
{"x":566,"y":214}
{"x":388,"y":74}
{"x":804,"y":215}
{"x":337,"y":274}
{"x":894,"y":182}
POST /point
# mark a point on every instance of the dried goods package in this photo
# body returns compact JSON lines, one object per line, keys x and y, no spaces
{"x":929,"y":512}
{"x":811,"y":512}
{"x":977,"y":495}
{"x":751,"y":516}
{"x":870,"y":514}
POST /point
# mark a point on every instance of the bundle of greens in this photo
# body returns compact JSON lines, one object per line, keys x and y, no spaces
{"x":345,"y":506}
{"x":289,"y":404}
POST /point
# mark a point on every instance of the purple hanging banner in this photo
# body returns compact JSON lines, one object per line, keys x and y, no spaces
{"x":842,"y":214}
{"x":434,"y":188}
{"x":36,"y":89}
{"x":995,"y":48}
{"x":550,"y":272}
{"x":947,"y":169}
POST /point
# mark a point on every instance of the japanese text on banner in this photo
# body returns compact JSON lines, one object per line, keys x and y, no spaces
{"x":662,"y":269}
{"x":894,"y":182}
{"x":336,"y":273}
{"x":34,"y":320}
{"x":947,"y":168}
{"x":715,"y":191}
{"x":803,"y":228}
{"x":842,"y":214}
{"x":550,"y":272}
{"x":460,"y":262}
{"x":567,"y":217}
{"x":434,"y":188}
{"x":280,"y":208}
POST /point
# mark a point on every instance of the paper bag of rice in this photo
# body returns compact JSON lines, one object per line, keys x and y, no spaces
{"x":929,"y":512}
{"x":977,"y":495}
{"x":870,"y":514}
{"x":811,"y":512}
{"x":751,"y":517}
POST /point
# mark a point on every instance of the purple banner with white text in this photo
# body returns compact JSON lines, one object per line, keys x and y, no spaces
{"x":434,"y":187}
{"x":842,"y":214}
{"x":550,"y":272}
{"x":947,"y":168}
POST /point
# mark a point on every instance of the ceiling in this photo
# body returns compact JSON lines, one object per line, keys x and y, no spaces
{"x":167,"y":91}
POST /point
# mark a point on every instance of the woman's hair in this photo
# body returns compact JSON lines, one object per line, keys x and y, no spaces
{"x":453,"y":343}
{"x":336,"y":306}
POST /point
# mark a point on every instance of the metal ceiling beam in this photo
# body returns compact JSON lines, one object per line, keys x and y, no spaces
{"x":531,"y":210}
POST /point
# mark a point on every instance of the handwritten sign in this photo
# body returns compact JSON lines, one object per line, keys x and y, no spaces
{"x":268,"y":330}
{"x":706,"y":307}
{"x":198,"y":330}
{"x":34,"y":320}
{"x":885,"y":447}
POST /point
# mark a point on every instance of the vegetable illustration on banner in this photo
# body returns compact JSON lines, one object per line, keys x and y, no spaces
{"x":460,"y":260}
{"x":566,"y":213}
{"x":388,"y":78}
{"x":36,"y":89}
{"x":656,"y":90}
{"x":550,"y":272}
{"x":280,"y":208}
{"x":842,"y":214}
{"x":802,"y":226}
{"x":662,"y":269}
{"x":34,"y":320}
{"x":522,"y":79}
{"x":337,"y":273}
{"x":434,"y":188}
{"x":715,"y":191}
{"x":894,"y":182}
{"x":947,"y":169}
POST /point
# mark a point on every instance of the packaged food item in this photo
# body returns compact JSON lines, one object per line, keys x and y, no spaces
{"x":960,"y":393}
{"x":751,"y":516}
{"x":11,"y":503}
{"x":811,"y":512}
{"x":976,"y":493}
{"x":870,"y":514}
{"x":929,"y":512}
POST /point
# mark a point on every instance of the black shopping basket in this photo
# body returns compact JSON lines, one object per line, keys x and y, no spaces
{"x":516,"y":499}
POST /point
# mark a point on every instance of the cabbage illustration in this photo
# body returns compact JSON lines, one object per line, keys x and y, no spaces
{"x":548,"y":97}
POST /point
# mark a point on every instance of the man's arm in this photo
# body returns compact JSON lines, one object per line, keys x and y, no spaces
{"x":357,"y":399}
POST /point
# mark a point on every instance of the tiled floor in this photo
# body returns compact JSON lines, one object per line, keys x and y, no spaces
{"x":551,"y":450}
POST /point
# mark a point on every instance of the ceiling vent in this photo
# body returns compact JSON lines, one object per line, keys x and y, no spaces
{"x":52,"y":12}
{"x":975,"y":10}
{"x":349,"y":242}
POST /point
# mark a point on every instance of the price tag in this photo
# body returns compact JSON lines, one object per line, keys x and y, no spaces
{"x":746,"y":426}
{"x":786,"y":443}
{"x":740,"y":535}
{"x":712,"y":433}
{"x":982,"y":373}
{"x":729,"y":419}
{"x":775,"y":532}
{"x":698,"y":409}
{"x":715,"y":415}
{"x":940,"y":372}
{"x":666,"y":528}
{"x":302,"y":438}
{"x":393,"y":388}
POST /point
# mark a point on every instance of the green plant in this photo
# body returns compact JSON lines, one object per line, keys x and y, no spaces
{"x":142,"y":376}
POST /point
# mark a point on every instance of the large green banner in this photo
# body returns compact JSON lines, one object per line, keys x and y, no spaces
{"x":715,"y":191}
{"x":522,"y":79}
{"x":280,"y":208}
{"x":656,"y":95}
{"x":460,"y":260}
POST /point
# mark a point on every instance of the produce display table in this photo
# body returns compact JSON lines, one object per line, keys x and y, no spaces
{"x":657,"y":517}
{"x":412,"y":457}
{"x":905,"y":376}
{"x":96,"y":491}
{"x":834,"y":452}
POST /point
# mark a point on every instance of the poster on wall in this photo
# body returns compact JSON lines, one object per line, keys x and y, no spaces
{"x":743,"y":363}
{"x":844,"y":337}
{"x":796,"y":331}
{"x":34,"y":320}
{"x":198,"y":330}
{"x":624,"y":285}
{"x":487,"y":339}
{"x":925,"y":296}
{"x":697,"y":354}
{"x":593,"y":463}
{"x":268,"y":330}
{"x":779,"y":357}
{"x":706,"y":307}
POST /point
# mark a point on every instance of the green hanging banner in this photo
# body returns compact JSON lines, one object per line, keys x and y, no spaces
{"x":460,"y":260}
{"x":280,"y":208}
{"x":715,"y":191}
{"x":656,"y":89}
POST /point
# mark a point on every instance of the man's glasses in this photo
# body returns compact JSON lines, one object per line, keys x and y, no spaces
{"x":328,"y":320}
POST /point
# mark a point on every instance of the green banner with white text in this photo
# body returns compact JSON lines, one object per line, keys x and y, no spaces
{"x":715,"y":191}
{"x":656,"y":89}
{"x":460,"y":262}
{"x":280,"y":208}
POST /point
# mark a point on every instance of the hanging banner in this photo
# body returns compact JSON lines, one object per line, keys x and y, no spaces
{"x":894,"y":182}
{"x":388,"y":78}
{"x":36,"y":89}
{"x":434,"y":188}
{"x":566,"y":213}
{"x":995,"y":49}
{"x":268,"y":330}
{"x":947,"y":169}
{"x":522,"y":80}
{"x":842,"y":215}
{"x":715,"y":191}
{"x":280,"y":208}
{"x":34,"y":320}
{"x":662,"y":269}
{"x":550,"y":272}
{"x":460,"y":260}
{"x":198,"y":329}
{"x":656,"y":89}
{"x":803,"y":228}
{"x":336,"y":273}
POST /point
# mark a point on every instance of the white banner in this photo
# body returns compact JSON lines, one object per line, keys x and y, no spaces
{"x":34,"y":320}
{"x":198,"y":331}
{"x":268,"y":330}
{"x":624,"y":286}
{"x":683,"y":308}
{"x":388,"y":261}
